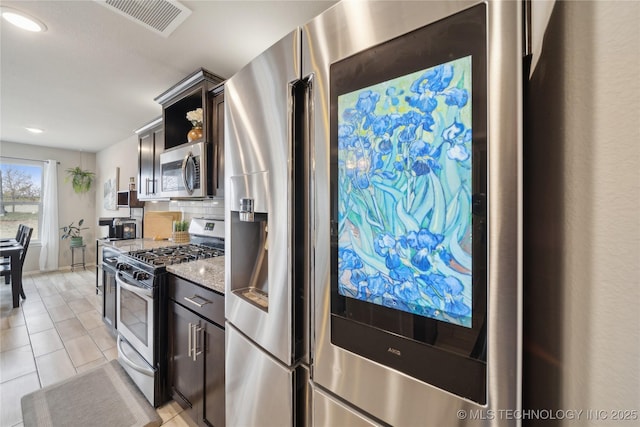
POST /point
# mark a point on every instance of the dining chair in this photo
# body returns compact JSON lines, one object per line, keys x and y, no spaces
{"x":7,"y":260}
{"x":5,"y":269}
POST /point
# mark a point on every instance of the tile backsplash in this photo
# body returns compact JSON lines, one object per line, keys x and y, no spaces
{"x":210,"y":208}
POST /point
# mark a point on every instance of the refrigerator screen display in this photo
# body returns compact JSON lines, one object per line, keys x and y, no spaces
{"x":408,"y":172}
{"x":404,"y":193}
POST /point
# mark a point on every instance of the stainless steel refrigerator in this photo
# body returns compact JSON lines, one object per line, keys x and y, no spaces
{"x":373,"y":221}
{"x":266,"y":302}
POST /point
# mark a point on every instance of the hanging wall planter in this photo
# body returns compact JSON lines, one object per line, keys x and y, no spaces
{"x":81,"y":180}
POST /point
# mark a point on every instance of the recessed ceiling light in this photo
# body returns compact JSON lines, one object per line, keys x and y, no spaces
{"x":34,"y":130}
{"x":22,"y":20}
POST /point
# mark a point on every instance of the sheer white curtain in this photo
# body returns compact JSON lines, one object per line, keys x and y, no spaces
{"x":49,"y":231}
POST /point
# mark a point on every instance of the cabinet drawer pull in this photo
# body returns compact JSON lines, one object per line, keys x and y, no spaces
{"x":199,"y":304}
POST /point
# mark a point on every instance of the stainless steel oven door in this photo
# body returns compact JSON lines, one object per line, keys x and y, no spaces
{"x":183,"y":171}
{"x":135,"y":316}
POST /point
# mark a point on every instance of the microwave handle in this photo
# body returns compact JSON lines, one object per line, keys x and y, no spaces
{"x":185,"y":162}
{"x":153,"y":182}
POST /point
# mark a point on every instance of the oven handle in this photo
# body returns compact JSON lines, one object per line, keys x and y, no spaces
{"x":129,"y":362}
{"x":135,"y":289}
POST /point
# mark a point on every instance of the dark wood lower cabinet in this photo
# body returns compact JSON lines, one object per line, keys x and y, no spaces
{"x":196,"y":350}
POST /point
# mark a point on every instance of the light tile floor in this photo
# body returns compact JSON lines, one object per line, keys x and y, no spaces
{"x":56,"y":333}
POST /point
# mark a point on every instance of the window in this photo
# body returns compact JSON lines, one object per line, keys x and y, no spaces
{"x":20,"y":196}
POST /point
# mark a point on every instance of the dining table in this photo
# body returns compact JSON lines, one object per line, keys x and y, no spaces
{"x":11,"y":248}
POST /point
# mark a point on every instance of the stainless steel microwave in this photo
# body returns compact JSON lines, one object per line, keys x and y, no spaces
{"x":185,"y":171}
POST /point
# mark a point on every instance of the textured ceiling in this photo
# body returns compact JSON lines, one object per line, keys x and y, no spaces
{"x":91,"y":78}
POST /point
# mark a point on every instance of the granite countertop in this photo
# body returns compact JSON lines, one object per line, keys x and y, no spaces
{"x":128,"y":245}
{"x":205,"y":272}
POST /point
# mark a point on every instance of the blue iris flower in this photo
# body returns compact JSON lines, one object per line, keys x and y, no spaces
{"x":458,"y":152}
{"x":420,"y":168}
{"x":345,"y":130}
{"x":456,"y":307}
{"x":377,"y":162}
{"x":453,"y":302}
{"x":430,"y":285}
{"x":422,"y":102}
{"x":452,"y":286}
{"x":439,"y":77}
{"x":351,"y":115}
{"x":402,"y":274}
{"x":381,"y":125}
{"x":407,"y":134}
{"x":407,"y":292}
{"x":412,"y":118}
{"x":419,"y":148}
{"x":429,"y":240}
{"x":358,"y":276}
{"x":362,"y":181}
{"x":393,"y":259}
{"x":457,"y":97}
{"x":393,"y":95}
{"x":348,"y":259}
{"x":421,"y":260}
{"x":385,"y":146}
{"x":377,"y":284}
{"x":446,"y":257}
{"x":383,"y":242}
{"x":453,"y":131}
{"x":424,"y":239}
{"x":367,"y":101}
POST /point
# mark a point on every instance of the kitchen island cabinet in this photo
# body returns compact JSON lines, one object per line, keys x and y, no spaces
{"x":196,"y":350}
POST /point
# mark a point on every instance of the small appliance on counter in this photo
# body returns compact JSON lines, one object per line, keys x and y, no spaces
{"x":117,"y":228}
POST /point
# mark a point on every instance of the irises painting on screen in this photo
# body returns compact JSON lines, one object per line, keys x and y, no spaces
{"x":404,"y":193}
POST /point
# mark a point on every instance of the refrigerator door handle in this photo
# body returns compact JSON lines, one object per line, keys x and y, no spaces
{"x":309,"y":157}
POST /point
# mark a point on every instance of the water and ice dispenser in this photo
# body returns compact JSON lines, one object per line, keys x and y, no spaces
{"x":250,"y":251}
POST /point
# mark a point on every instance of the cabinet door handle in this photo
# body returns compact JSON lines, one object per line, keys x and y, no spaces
{"x":190,"y":339}
{"x":193,"y":298}
{"x":196,"y":332}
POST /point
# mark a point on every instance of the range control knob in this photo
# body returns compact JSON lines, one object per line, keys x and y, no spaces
{"x":123,"y":266}
{"x":140,"y":275}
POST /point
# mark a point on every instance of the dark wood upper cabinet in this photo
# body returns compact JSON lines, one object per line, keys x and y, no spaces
{"x":150,"y":146}
{"x":187,"y":95}
{"x":217,"y":121}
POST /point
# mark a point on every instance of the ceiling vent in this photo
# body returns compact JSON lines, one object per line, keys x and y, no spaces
{"x":159,"y":16}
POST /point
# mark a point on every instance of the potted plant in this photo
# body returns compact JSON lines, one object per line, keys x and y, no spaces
{"x":180,"y":232}
{"x":72,"y":232}
{"x":81,"y":180}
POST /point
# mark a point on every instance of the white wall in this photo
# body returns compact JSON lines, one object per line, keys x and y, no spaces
{"x":122,"y":155}
{"x":582,"y":214}
{"x":71,"y":206}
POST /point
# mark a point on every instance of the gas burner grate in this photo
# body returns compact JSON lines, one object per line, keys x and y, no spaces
{"x":168,"y":255}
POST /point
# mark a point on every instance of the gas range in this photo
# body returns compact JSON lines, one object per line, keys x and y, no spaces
{"x":207,"y":238}
{"x":141,"y":307}
{"x":161,"y":257}
{"x":142,"y":266}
